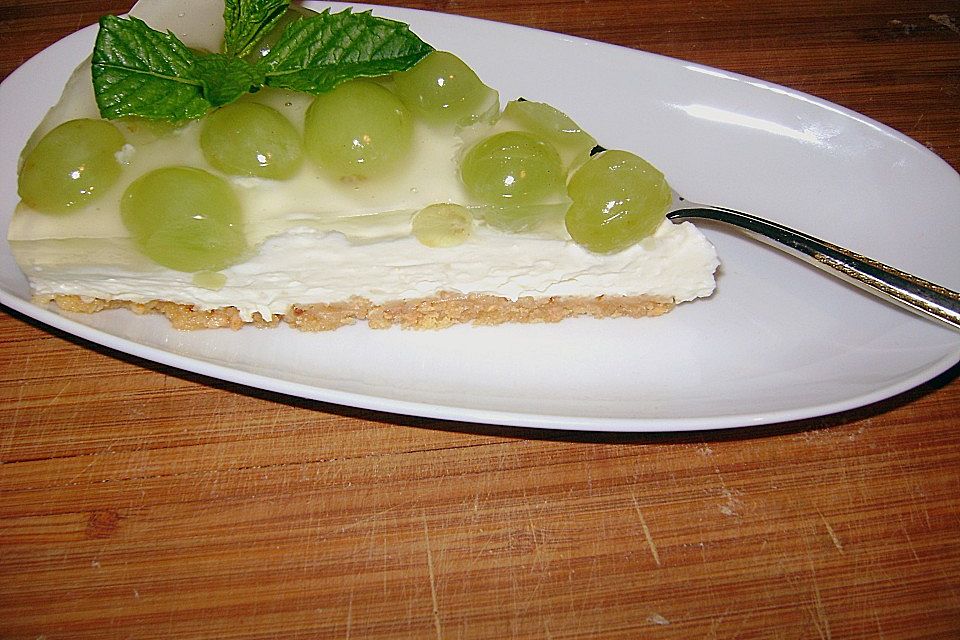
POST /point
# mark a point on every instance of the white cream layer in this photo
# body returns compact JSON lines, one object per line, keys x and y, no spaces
{"x":304,"y":265}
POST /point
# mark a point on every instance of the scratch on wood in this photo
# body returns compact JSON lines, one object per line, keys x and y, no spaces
{"x":433,"y":580}
{"x":94,"y":459}
{"x":906,"y":535}
{"x":831,"y":533}
{"x":363,"y":521}
{"x":535,"y":536}
{"x":546,"y":631}
{"x":61,"y":392}
{"x":350,"y":615}
{"x":646,"y":532}
{"x":876,"y":618}
{"x":715,"y":624}
{"x":819,"y":612}
{"x":17,"y":405}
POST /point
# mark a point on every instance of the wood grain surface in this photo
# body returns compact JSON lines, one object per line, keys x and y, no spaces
{"x":141,"y":502}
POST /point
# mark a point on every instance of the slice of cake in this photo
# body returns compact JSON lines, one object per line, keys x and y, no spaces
{"x":404,"y":197}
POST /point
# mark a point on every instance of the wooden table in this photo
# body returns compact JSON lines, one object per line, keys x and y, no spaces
{"x":141,"y":502}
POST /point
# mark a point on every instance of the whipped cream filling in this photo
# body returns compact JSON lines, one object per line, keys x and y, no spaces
{"x":305,"y":265}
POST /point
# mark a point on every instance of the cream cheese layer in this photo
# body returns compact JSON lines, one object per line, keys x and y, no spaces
{"x":305,"y":265}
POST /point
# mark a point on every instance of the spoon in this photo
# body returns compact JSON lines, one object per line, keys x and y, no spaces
{"x":906,"y":290}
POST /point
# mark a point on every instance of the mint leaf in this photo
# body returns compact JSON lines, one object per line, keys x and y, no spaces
{"x":247,"y":21}
{"x":316,"y":54}
{"x":138,"y":71}
{"x":225,"y":78}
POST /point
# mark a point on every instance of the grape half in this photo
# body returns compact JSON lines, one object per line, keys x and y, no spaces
{"x":71,"y":166}
{"x":185,"y":219}
{"x":441,"y":88}
{"x":359,"y":129}
{"x":442,"y":225}
{"x":618,"y":199}
{"x":250,"y":139}
{"x":514,"y":168}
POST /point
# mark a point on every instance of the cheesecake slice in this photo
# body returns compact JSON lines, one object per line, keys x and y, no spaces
{"x":471,"y":212}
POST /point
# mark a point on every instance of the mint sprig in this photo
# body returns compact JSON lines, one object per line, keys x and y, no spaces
{"x":139,"y":71}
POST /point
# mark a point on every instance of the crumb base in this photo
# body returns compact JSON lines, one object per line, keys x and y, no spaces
{"x":442,"y":310}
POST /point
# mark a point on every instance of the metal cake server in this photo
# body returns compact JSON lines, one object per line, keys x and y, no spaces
{"x":906,"y":290}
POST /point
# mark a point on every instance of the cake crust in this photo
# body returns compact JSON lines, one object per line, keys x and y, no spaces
{"x":442,"y":310}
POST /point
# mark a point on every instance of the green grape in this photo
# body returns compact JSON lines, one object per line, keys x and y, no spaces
{"x":71,"y":166}
{"x":442,"y":225}
{"x":185,"y":219}
{"x":441,"y":88}
{"x":618,"y":199}
{"x":250,"y":139}
{"x":513,"y":168}
{"x":358,"y":130}
{"x":551,"y":123}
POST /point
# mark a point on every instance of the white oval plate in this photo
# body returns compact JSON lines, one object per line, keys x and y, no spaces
{"x":779,"y":340}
